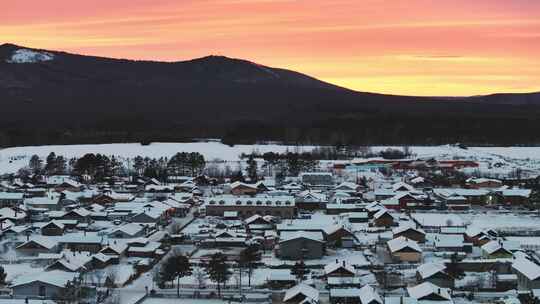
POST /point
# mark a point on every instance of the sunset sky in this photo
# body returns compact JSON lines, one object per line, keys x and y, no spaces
{"x":413,"y":47}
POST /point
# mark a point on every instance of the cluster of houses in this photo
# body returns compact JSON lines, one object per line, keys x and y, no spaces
{"x":391,"y":240}
{"x":69,"y":232}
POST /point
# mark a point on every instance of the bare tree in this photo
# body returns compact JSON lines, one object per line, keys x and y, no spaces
{"x":111,"y":277}
{"x":200,"y":276}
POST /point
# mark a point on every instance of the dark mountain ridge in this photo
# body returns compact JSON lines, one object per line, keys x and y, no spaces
{"x":57,"y":97}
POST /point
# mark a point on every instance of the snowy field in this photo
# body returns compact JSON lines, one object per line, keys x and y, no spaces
{"x":496,"y":160}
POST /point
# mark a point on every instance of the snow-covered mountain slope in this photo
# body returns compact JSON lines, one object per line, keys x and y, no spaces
{"x":29,"y":56}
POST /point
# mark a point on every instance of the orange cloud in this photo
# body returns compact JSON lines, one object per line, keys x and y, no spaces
{"x":417,"y":47}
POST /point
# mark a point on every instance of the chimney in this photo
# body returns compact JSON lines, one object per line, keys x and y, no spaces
{"x":337,"y":261}
{"x":343,"y":263}
{"x":439,"y":291}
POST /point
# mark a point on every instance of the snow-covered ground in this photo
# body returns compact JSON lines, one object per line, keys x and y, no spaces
{"x":12,"y":159}
{"x":492,"y":160}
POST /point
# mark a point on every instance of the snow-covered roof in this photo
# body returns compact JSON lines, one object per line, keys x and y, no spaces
{"x":241,"y":184}
{"x":494,"y":246}
{"x":449,"y":240}
{"x":526,"y":267}
{"x":403,"y":228}
{"x":292,"y":235}
{"x":429,"y":269}
{"x":329,"y":268}
{"x":426,"y":289}
{"x":56,"y":278}
{"x":11,"y":196}
{"x":304,"y":289}
{"x":368,"y":294}
{"x":401,"y":243}
{"x":229,"y":200}
{"x":45,"y":242}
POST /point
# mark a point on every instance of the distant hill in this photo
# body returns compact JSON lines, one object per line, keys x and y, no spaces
{"x":56,"y":97}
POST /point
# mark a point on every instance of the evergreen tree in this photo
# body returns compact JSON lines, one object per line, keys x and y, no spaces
{"x":176,"y":267}
{"x":138,"y":165}
{"x":218,"y":270}
{"x":50,"y":163}
{"x":35,"y":164}
{"x":3,"y":276}
{"x":252,"y":168}
{"x":60,"y":165}
{"x":248,"y":257}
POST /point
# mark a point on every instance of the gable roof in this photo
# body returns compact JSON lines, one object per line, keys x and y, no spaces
{"x":304,"y":289}
{"x":403,"y":228}
{"x":426,"y":289}
{"x":401,"y":243}
{"x":56,"y":278}
{"x":369,"y":295}
{"x":429,"y":269}
{"x":329,"y":268}
{"x":526,"y":267}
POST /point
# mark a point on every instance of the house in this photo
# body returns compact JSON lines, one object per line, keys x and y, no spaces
{"x":279,"y":206}
{"x":451,"y":243}
{"x":131,"y":230}
{"x":43,"y":203}
{"x":239,"y":188}
{"x":149,"y":217}
{"x":495,"y":250}
{"x":280,"y":278}
{"x":514,"y":196}
{"x":411,"y":233}
{"x":348,"y":187}
{"x":477,"y":183}
{"x":345,"y":295}
{"x":53,"y":228}
{"x":403,"y":200}
{"x":368,"y":295}
{"x":12,"y":214}
{"x":297,"y":245}
{"x":82,"y":242}
{"x":115,"y":249}
{"x":301,"y":293}
{"x":429,"y":293}
{"x":67,"y":266}
{"x":311,"y":200}
{"x":344,"y":282}
{"x":45,"y":285}
{"x":528,"y":273}
{"x":404,"y":250}
{"x":69,"y":185}
{"x":339,"y":236}
{"x":101,"y":260}
{"x":11,"y":199}
{"x":383,"y":218}
{"x":339,"y":269}
{"x":37,"y":245}
{"x":479,"y":237}
{"x":292,"y":187}
{"x":80,"y":214}
{"x":257,"y":223}
{"x":434,"y":273}
{"x":317,"y":179}
{"x":357,"y":217}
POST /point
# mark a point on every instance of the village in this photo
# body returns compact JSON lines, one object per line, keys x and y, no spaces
{"x":290,"y":227}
